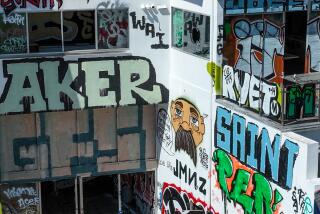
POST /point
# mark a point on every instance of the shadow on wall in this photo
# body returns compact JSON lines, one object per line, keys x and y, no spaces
{"x":197,"y":2}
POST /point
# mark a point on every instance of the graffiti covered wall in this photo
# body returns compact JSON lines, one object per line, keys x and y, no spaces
{"x":313,"y":44}
{"x":255,"y":45}
{"x":249,"y":90}
{"x":64,"y":144}
{"x":184,"y":158}
{"x":20,"y":198}
{"x":255,"y":168}
{"x":253,"y":52}
{"x":55,"y":84}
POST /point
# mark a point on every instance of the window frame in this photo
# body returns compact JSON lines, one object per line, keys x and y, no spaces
{"x":79,"y":194}
{"x":69,"y":52}
{"x":26,"y":31}
{"x":97,"y":34}
{"x":28,"y":41}
{"x":180,"y":49}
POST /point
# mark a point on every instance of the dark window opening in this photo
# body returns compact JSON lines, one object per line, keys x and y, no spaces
{"x":58,"y":197}
{"x":100,"y":194}
{"x":137,"y":193}
{"x":78,"y":30}
{"x":45,"y":32}
{"x":295,"y":42}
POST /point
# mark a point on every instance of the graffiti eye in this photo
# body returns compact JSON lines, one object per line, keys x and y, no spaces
{"x":178,"y":112}
{"x":194,"y":121}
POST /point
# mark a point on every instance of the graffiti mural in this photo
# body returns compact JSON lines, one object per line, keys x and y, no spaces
{"x":258,"y":6}
{"x":184,"y":158}
{"x":138,"y":192}
{"x":19,"y":199}
{"x":10,"y":5}
{"x":248,"y":159}
{"x":113,"y":29}
{"x":149,"y":29}
{"x":189,"y":127}
{"x":256,"y":46}
{"x":102,"y":137}
{"x":176,"y":200}
{"x":234,"y":180}
{"x":55,"y":84}
{"x":235,"y":136}
{"x":313,"y":46}
{"x":247,"y":89}
{"x":13,"y":37}
{"x":301,"y":100}
{"x":191,"y":32}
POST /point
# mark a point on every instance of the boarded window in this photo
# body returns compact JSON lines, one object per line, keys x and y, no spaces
{"x":45,"y":32}
{"x":113,"y":29}
{"x":78,"y":30}
{"x":191,"y":32}
{"x":13,"y":38}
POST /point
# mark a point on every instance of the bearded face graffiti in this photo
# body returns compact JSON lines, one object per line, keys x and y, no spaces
{"x":188,"y":125}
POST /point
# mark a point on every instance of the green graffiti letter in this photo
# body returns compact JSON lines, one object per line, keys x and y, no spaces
{"x":54,"y":87}
{"x":178,"y":24}
{"x":240,"y":185}
{"x":141,"y":69}
{"x":293,"y":99}
{"x":309,"y":100}
{"x":24,"y":83}
{"x":95,"y":84}
{"x":224,"y":168}
{"x":262,"y":195}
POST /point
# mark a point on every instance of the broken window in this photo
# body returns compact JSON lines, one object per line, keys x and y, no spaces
{"x":113,"y":29}
{"x":191,"y":32}
{"x":45,"y":32}
{"x":78,"y":30}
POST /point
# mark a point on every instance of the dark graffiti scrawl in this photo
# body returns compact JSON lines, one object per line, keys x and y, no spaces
{"x":175,"y":200}
{"x":19,"y":198}
{"x":11,"y":5}
{"x":301,"y":202}
{"x":192,"y":178}
{"x":149,"y":30}
{"x":54,"y":84}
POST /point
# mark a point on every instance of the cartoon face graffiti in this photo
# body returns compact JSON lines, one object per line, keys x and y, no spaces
{"x":188,"y":125}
